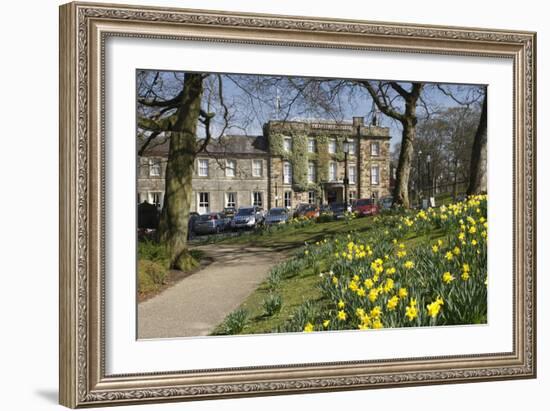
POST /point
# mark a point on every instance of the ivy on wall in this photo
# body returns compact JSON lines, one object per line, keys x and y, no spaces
{"x":299,"y":158}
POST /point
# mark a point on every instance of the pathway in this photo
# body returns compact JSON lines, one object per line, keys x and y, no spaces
{"x":198,"y":303}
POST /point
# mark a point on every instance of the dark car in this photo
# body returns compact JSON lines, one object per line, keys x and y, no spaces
{"x":365,"y":206}
{"x":247,"y":217}
{"x":230,"y":212}
{"x":193,"y":216}
{"x":301,"y":210}
{"x":386,"y":202}
{"x":338,"y":210}
{"x":210,"y":223}
{"x":277,"y":215}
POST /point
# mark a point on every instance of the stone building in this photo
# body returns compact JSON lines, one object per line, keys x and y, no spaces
{"x":293,"y":162}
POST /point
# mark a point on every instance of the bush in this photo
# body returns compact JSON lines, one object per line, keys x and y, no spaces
{"x":151,"y":276}
{"x":235,"y":322}
{"x":325,"y":218}
{"x":272,"y":304}
{"x":153,"y":251}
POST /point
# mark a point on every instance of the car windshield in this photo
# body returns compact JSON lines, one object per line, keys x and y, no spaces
{"x":337,"y":206}
{"x":206,"y":217}
{"x":364,"y":202}
{"x":277,"y":211}
{"x":245,"y":211}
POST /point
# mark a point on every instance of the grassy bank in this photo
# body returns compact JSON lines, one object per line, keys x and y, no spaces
{"x":415,"y":269}
{"x":153,"y":268}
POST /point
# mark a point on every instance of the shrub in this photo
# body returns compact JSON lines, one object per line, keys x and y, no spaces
{"x":152,"y":251}
{"x":272,"y":304}
{"x":151,"y":275}
{"x":325,"y":218}
{"x":235,"y":322}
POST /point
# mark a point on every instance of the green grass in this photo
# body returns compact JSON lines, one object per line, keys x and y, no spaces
{"x":303,"y":286}
{"x":154,"y":266}
{"x":289,"y":237}
{"x":294,"y":291}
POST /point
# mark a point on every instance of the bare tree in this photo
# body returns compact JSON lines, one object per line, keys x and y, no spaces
{"x":177,"y":118}
{"x":478,"y":162}
{"x":381,"y":93}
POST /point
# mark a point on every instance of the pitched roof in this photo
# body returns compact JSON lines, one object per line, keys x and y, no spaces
{"x":232,"y":144}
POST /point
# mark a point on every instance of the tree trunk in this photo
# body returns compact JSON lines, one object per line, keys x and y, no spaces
{"x":478,"y":162}
{"x":173,"y":225}
{"x":401,"y":191}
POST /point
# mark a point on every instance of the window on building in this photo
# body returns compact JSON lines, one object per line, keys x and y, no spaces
{"x":257,"y":168}
{"x":287,"y":144}
{"x":230,"y":168}
{"x":140,"y":198}
{"x":332,"y":146}
{"x":352,"y":147}
{"x":352,"y":195}
{"x":374,"y":195}
{"x":288,"y":199}
{"x":257,"y":198}
{"x":352,"y":174}
{"x":204,"y":203}
{"x":311,"y":145}
{"x":375,"y":175}
{"x":154,"y":167}
{"x":287,"y":173}
{"x":311,"y":172}
{"x":155,"y":198}
{"x":311,"y":197}
{"x":332,"y":171}
{"x":231,"y":200}
{"x":375,"y":148}
{"x":203,"y":168}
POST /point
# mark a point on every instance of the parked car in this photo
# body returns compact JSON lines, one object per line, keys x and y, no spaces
{"x":300,"y":210}
{"x":247,"y":217}
{"x":338,"y":210}
{"x":193,"y":216}
{"x":311,"y":212}
{"x":386,"y":202}
{"x":210,"y":223}
{"x":277,"y":215}
{"x":230,"y":212}
{"x":365,"y":206}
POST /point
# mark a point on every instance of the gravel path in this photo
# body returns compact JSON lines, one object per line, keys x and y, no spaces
{"x":200,"y":302}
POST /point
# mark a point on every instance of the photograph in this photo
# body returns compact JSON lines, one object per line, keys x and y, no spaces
{"x":282,"y":204}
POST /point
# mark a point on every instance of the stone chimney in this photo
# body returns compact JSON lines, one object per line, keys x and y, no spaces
{"x":358,"y":121}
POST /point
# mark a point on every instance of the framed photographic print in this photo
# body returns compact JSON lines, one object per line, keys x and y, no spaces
{"x":257,"y":204}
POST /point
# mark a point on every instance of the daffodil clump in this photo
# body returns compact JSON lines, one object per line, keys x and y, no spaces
{"x":419,"y":268}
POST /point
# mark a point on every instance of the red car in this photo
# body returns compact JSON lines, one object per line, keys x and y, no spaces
{"x":365,"y":206}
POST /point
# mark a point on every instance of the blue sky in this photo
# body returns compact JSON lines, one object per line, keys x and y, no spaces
{"x":253,"y":100}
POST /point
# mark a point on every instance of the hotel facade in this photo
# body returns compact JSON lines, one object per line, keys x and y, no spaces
{"x":291,"y":163}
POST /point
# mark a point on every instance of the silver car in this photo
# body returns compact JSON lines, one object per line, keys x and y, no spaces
{"x":247,"y":217}
{"x":210,"y":223}
{"x":276,"y":215}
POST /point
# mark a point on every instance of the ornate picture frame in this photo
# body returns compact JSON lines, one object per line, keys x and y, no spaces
{"x":84,"y":28}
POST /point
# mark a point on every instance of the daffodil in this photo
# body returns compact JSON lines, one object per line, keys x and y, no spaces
{"x":408,"y":265}
{"x":341,"y":304}
{"x":411,"y":311}
{"x":402,"y":293}
{"x":308,"y":328}
{"x":435,"y":307}
{"x":392,"y":303}
{"x":342,"y":315}
{"x":447,"y":277}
